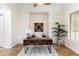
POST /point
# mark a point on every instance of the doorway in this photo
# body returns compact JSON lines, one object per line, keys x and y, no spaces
{"x":1,"y":30}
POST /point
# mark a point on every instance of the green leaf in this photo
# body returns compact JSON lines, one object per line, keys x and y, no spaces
{"x":55,"y":28}
{"x":62,"y":25}
{"x":57,"y":23}
{"x":55,"y":31}
{"x":55,"y":35}
{"x":62,"y":35}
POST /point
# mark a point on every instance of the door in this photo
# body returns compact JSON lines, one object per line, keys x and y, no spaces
{"x":1,"y":30}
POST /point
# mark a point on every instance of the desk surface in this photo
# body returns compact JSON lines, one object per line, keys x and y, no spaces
{"x":40,"y":38}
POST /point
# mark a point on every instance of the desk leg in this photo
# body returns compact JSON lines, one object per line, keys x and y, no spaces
{"x":49,"y":48}
{"x":26,"y":49}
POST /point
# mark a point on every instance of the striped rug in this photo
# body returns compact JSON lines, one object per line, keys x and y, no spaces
{"x":38,"y":51}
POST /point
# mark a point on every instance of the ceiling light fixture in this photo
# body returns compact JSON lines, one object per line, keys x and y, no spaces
{"x":38,"y":4}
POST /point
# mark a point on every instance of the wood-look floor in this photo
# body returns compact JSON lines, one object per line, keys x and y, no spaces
{"x":11,"y":52}
{"x":62,"y":51}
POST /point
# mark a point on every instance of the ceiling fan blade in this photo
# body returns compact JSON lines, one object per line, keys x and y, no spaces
{"x":46,"y":3}
{"x":35,"y":4}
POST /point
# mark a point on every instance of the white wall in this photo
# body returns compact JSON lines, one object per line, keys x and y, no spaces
{"x":66,"y":10}
{"x":39,"y":18}
{"x":24,"y":10}
{"x":14,"y":25}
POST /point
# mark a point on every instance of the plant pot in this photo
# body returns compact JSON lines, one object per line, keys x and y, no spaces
{"x":61,"y":42}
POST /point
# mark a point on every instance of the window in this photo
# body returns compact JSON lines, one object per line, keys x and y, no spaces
{"x":74,"y":25}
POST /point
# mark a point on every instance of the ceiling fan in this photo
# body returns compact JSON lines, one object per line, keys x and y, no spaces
{"x":37,"y":4}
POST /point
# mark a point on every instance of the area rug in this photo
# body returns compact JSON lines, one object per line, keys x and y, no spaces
{"x":38,"y":51}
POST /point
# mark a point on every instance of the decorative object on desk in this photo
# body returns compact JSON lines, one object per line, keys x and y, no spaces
{"x":28,"y":33}
{"x":59,"y":32}
{"x":28,"y":36}
{"x":43,"y":35}
{"x":33,"y":35}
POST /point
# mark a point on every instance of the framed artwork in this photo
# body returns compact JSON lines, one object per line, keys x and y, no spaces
{"x":38,"y":27}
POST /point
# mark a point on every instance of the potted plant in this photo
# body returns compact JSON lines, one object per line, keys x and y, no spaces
{"x":59,"y":31}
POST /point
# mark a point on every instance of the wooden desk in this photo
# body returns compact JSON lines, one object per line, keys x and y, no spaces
{"x":38,"y":41}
